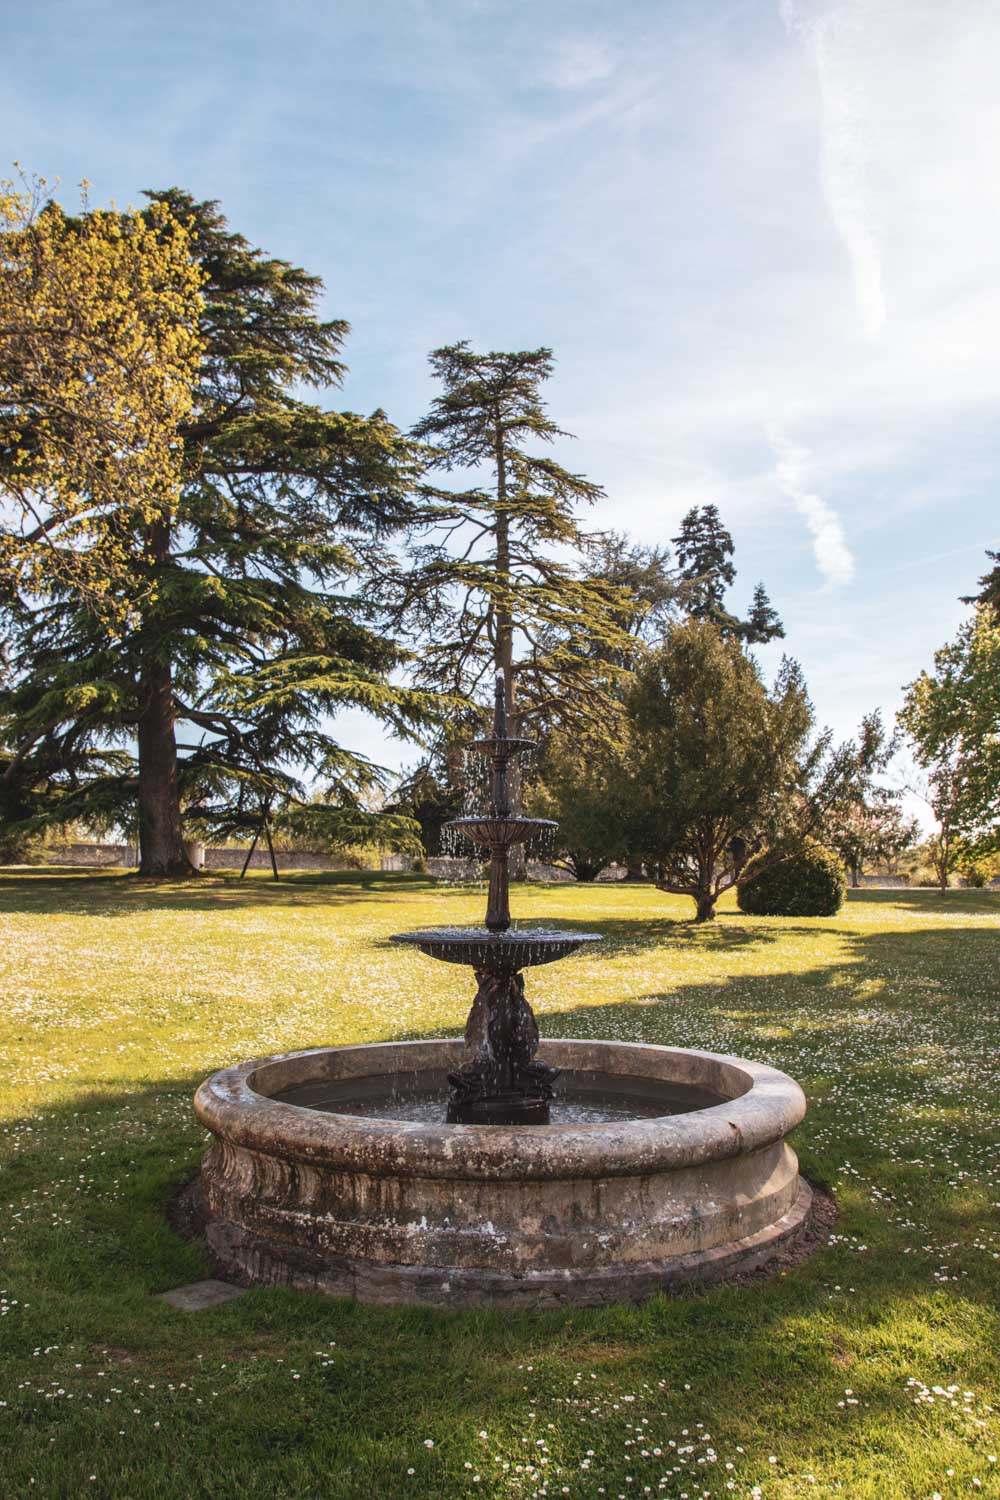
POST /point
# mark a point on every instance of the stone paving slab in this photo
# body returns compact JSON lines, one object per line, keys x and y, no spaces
{"x":201,"y":1294}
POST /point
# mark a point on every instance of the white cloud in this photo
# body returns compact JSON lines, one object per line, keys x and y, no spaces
{"x":834,"y":38}
{"x":833,"y":556}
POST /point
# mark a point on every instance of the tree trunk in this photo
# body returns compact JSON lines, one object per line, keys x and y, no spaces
{"x":705,"y":903}
{"x":161,"y":837}
{"x":504,"y":651}
{"x":634,"y":869}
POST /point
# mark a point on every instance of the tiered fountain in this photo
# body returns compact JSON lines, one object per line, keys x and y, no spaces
{"x":500,"y":1083}
{"x":343,"y":1168}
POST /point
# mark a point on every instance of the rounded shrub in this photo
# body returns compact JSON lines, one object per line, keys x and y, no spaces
{"x":808,"y":882}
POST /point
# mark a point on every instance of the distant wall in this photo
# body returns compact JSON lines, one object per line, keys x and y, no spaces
{"x":890,"y":882}
{"x":92,"y":854}
{"x":101,"y":855}
{"x":447,"y":867}
{"x":443,"y":868}
{"x":287,"y":859}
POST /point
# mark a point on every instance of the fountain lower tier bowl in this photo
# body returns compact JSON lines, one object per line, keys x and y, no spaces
{"x":479,"y":948}
{"x":324,"y":1174}
{"x":498,"y":834}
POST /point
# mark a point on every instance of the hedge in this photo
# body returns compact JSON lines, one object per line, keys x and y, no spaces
{"x":808,"y":882}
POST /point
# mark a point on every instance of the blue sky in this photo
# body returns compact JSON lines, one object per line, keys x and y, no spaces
{"x":760,"y":237}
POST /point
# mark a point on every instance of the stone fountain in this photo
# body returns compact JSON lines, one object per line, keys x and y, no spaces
{"x":471,"y":1172}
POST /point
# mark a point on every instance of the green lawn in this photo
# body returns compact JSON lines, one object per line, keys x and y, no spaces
{"x":871,"y":1371}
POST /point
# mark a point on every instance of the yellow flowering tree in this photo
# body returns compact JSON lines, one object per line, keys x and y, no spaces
{"x":99,"y":350}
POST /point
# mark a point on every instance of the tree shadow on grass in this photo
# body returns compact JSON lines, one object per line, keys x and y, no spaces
{"x":122,"y":893}
{"x":963,"y":901}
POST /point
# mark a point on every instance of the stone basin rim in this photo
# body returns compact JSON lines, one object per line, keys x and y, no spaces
{"x":766,"y":1104}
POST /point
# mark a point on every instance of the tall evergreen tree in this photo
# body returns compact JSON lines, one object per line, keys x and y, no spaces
{"x":718,"y":762}
{"x":989,"y":588}
{"x":493,"y":587}
{"x":705,"y":549}
{"x":763,"y":623}
{"x":242,"y":625}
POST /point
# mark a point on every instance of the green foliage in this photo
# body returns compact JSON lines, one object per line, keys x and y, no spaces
{"x":806,"y":882}
{"x":989,"y":588}
{"x":584,"y":786}
{"x":492,"y":586}
{"x":19,"y":846}
{"x":715,"y":757}
{"x":704,"y":551}
{"x":952,"y":716}
{"x":249,"y":623}
{"x":763,"y":623}
{"x":718,"y":761}
{"x":648,"y":595}
{"x":870,"y":826}
{"x":432,"y":801}
{"x":977,"y":864}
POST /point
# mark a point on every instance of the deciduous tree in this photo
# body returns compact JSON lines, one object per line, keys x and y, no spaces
{"x":870,"y":827}
{"x":952,"y":716}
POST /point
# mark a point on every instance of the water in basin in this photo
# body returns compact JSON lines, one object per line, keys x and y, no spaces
{"x":581,"y":1098}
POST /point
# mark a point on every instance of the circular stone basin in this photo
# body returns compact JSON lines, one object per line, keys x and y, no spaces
{"x":689,"y":1178}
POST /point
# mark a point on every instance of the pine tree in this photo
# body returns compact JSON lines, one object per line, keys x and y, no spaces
{"x":763,"y":622}
{"x":705,"y":550}
{"x":240,"y":622}
{"x":493,"y":587}
{"x":989,"y":588}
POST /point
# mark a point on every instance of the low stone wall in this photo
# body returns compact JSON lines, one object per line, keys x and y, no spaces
{"x":287,"y":859}
{"x":444,"y":867}
{"x":99,"y":856}
{"x":93,"y":855}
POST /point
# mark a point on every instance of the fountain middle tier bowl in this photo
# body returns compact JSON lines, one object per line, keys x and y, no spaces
{"x":314,"y":1180}
{"x":502,"y":746}
{"x":480,"y":948}
{"x":501,"y":833}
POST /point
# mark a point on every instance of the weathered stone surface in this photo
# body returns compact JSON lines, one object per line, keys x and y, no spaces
{"x":201,"y":1294}
{"x":461,"y":1215}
